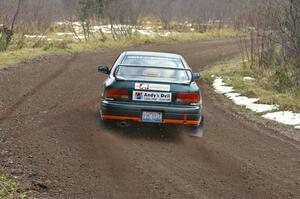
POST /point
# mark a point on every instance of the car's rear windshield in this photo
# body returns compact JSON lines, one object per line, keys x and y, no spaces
{"x":152,"y":61}
{"x":153,"y":74}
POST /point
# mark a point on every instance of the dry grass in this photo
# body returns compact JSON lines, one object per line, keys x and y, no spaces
{"x":9,"y":190}
{"x":263,"y":88}
{"x":15,"y":55}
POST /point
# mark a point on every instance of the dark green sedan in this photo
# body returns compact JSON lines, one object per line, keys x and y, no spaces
{"x":152,"y":87}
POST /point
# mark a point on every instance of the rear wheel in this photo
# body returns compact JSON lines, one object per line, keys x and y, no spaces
{"x":196,"y":131}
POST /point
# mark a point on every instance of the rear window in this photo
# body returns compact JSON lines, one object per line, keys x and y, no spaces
{"x":155,"y":74}
{"x":152,"y":61}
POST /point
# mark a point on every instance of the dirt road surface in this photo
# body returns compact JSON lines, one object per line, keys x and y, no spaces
{"x":48,"y":117}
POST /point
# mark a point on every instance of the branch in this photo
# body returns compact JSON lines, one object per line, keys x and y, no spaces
{"x":16,"y":15}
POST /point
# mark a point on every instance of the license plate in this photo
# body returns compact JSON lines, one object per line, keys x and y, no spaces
{"x":154,"y":117}
{"x":152,"y":96}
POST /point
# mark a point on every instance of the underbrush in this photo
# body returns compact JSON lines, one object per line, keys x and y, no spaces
{"x":9,"y":190}
{"x":271,"y":85}
{"x":23,"y":48}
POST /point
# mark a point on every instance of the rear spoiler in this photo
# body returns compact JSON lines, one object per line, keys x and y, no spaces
{"x":159,"y":67}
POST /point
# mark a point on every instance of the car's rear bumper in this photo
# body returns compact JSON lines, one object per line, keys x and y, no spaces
{"x":172,"y":114}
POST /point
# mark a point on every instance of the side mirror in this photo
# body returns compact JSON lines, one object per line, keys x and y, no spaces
{"x":196,"y":76}
{"x":104,"y":69}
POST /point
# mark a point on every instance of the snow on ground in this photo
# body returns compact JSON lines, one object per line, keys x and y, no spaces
{"x":166,"y":34}
{"x":77,"y":23}
{"x":49,"y":39}
{"x":261,"y":108}
{"x":146,"y":32}
{"x":220,"y":86}
{"x":79,"y":37}
{"x":249,"y":78}
{"x":35,"y":36}
{"x":249,"y":103}
{"x":64,"y":33}
{"x":284,"y":117}
{"x":61,"y":23}
{"x":142,"y":30}
{"x":104,"y":29}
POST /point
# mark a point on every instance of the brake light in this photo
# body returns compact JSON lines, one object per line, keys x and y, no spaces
{"x":188,"y":98}
{"x":116,"y":93}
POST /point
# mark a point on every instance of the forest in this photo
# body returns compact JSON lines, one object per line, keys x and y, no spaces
{"x":271,"y":26}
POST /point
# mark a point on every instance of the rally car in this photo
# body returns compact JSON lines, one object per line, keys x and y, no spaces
{"x":151,"y":87}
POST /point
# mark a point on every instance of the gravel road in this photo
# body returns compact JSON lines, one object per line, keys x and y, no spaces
{"x":48,"y":116}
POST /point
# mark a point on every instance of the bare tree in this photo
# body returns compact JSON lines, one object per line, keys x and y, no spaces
{"x":7,"y":33}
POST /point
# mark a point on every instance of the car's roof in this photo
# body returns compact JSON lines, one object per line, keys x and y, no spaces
{"x":150,"y":53}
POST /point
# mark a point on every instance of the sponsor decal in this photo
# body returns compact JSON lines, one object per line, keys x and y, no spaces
{"x":153,"y":87}
{"x":141,"y":86}
{"x":151,"y":96}
{"x":138,"y":95}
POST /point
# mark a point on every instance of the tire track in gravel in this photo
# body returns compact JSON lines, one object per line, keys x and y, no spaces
{"x":235,"y":159}
{"x":7,"y":114}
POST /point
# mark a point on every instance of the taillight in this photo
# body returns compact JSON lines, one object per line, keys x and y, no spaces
{"x":188,"y":98}
{"x":116,"y":93}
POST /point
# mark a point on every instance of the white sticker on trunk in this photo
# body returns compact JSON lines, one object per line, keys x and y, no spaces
{"x":153,"y":87}
{"x":151,"y":96}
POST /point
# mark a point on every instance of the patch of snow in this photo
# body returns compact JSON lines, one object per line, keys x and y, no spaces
{"x":49,"y":39}
{"x":61,"y":23}
{"x":77,"y":23}
{"x":220,"y":87}
{"x":146,"y":33}
{"x":249,"y":78}
{"x":284,"y":117}
{"x":104,"y":28}
{"x":79,"y":37}
{"x":64,"y":33}
{"x":232,"y":95}
{"x":261,"y":108}
{"x":35,"y":36}
{"x":249,"y":103}
{"x":297,"y":127}
{"x":243,"y":101}
{"x":148,"y":28}
{"x":166,"y":34}
{"x":95,"y":28}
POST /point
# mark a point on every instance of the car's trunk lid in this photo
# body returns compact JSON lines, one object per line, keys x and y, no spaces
{"x":158,"y":93}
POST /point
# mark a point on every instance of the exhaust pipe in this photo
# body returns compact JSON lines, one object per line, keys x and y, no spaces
{"x":123,"y":124}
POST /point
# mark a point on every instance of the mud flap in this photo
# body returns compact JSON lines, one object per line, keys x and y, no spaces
{"x":101,"y":124}
{"x":197,"y":131}
{"x":99,"y":120}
